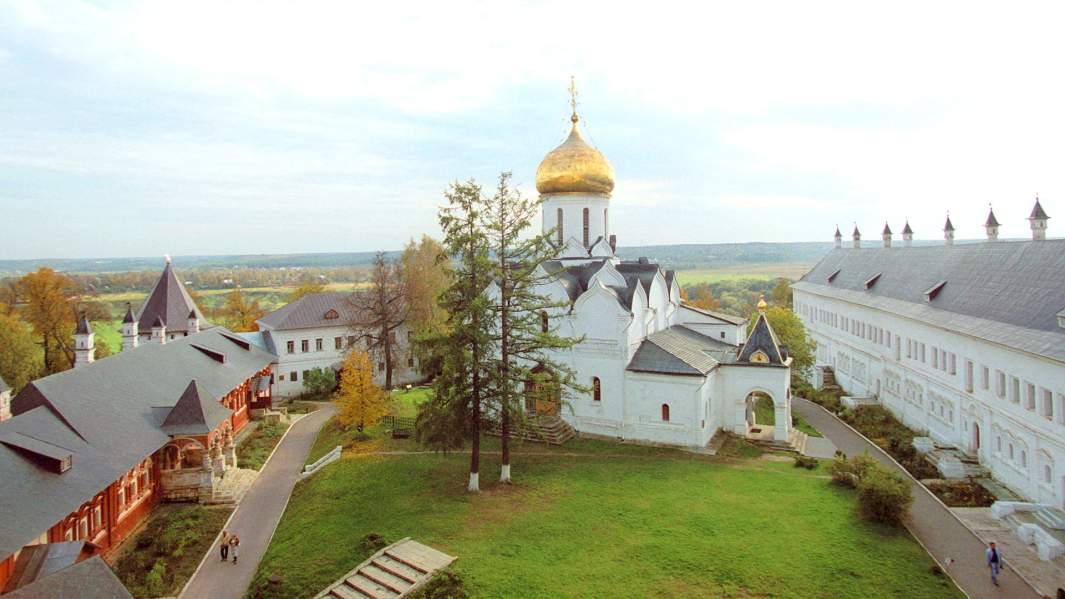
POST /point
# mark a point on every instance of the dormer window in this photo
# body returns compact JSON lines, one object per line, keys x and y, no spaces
{"x":872,"y":281}
{"x":331,"y":315}
{"x":832,"y":277}
{"x":934,"y":290}
{"x":1061,"y":319}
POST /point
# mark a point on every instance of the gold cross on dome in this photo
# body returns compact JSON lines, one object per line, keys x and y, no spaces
{"x":573,"y":96}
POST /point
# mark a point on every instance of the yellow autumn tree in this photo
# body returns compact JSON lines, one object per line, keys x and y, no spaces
{"x":359,"y":400}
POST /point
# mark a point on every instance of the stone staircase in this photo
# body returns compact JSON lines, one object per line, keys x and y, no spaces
{"x":393,"y":571}
{"x":796,"y":441}
{"x":955,"y":464}
{"x":542,"y":428}
{"x":829,"y":380}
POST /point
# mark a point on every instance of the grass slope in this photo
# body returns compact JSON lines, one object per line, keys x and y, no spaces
{"x":612,"y":521}
{"x":764,"y":415}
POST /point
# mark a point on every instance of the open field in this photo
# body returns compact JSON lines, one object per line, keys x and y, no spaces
{"x":598,"y":519}
{"x":763,"y":272}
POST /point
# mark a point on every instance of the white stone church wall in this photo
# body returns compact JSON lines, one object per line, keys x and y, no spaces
{"x":949,"y":406}
{"x":646,"y":393}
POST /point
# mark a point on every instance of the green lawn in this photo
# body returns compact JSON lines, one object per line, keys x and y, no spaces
{"x":763,"y":414}
{"x":405,"y":403}
{"x":613,"y":521}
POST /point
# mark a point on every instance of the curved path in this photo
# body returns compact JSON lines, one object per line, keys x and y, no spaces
{"x":941,"y":533}
{"x":258,"y":513}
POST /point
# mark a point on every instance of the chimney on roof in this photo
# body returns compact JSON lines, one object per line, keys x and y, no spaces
{"x":194,"y":323}
{"x":907,"y":234}
{"x":838,"y":237}
{"x":130,"y":330}
{"x":643,"y":260}
{"x":84,"y":344}
{"x":856,"y":237}
{"x":948,"y":231}
{"x":159,"y":331}
{"x":886,"y":235}
{"x":991,"y":224}
{"x":1038,"y":220}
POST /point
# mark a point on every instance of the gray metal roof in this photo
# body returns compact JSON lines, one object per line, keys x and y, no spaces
{"x":764,"y":339}
{"x":109,"y":415}
{"x":170,"y":302}
{"x":1008,"y":292}
{"x":680,"y":350}
{"x":310,"y":311}
{"x":88,"y":579}
{"x":726,"y":318}
{"x":575,"y":278}
{"x":39,"y":561}
{"x":195,"y":413}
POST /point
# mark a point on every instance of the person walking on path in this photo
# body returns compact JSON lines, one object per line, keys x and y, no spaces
{"x":234,"y":544}
{"x":223,"y":546}
{"x":994,"y":561}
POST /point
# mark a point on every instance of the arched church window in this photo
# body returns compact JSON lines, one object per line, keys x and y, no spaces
{"x":665,"y":412}
{"x":596,"y":389}
{"x":545,"y":322}
{"x":585,"y":227}
{"x":558,"y":229}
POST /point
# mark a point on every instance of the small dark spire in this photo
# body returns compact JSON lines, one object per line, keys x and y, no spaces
{"x":84,"y":328}
{"x":991,"y":220}
{"x":856,"y":233}
{"x":907,"y":230}
{"x":192,"y":314}
{"x":129,"y":319}
{"x":1037,"y":211}
{"x":838,"y":234}
{"x":158,"y":322}
{"x":949,"y":226}
{"x":887,"y":229}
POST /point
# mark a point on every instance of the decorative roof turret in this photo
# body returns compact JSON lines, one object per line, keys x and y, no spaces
{"x":856,"y":237}
{"x":129,"y":318}
{"x":838,"y":237}
{"x":907,"y":234}
{"x":1038,"y":221}
{"x":991,"y":224}
{"x":762,"y":345}
{"x":84,"y":328}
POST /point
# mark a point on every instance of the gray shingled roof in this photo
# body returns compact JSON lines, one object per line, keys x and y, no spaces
{"x":680,"y":350}
{"x":1008,"y":292}
{"x":575,"y":279}
{"x":764,"y":339}
{"x":727,"y":318}
{"x":83,"y":328}
{"x":39,"y":561}
{"x":195,"y":413}
{"x":109,"y":415}
{"x":88,"y":579}
{"x":170,"y":302}
{"x":309,"y":312}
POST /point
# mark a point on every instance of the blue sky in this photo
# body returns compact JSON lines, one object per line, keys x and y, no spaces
{"x":134,"y":129}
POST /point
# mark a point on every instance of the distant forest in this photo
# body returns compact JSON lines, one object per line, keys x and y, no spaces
{"x":677,"y":257}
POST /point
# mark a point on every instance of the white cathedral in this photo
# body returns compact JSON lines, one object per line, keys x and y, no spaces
{"x":658,"y":371}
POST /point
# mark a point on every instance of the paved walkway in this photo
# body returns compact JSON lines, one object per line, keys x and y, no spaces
{"x":258,"y":513}
{"x":934,"y":525}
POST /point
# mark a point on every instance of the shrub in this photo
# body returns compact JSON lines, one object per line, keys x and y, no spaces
{"x":372,"y":543}
{"x":153,"y":581}
{"x":802,"y":461}
{"x":883,"y":495}
{"x":849,"y":472}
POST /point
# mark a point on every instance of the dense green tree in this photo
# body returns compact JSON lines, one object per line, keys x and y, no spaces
{"x":20,"y":356}
{"x":319,"y":382}
{"x":464,"y":347}
{"x":524,"y":345}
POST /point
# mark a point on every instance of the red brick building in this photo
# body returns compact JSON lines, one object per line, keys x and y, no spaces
{"x":91,"y":451}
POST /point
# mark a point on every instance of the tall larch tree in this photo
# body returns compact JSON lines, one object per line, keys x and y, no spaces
{"x":380,"y":311}
{"x":455,"y":410}
{"x":20,"y":356}
{"x":49,"y":309}
{"x":359,"y":401}
{"x":239,"y":312}
{"x":427,"y":273}
{"x":519,"y":304}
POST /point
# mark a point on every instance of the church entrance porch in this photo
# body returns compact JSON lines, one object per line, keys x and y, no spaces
{"x":543,"y":394}
{"x":762,"y":416}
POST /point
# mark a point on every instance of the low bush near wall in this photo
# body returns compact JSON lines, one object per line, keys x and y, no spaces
{"x":445,"y":585}
{"x":961,"y":493}
{"x":883,"y":495}
{"x":882,"y":428}
{"x":826,"y":399}
{"x":802,"y":461}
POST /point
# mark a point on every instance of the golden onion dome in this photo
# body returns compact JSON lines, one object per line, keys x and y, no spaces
{"x":575,"y":167}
